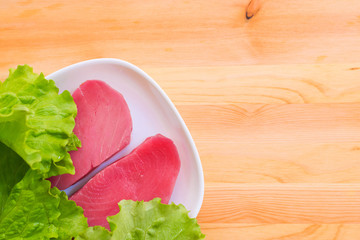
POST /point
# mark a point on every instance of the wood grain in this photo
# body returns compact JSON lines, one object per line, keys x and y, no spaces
{"x":173,"y":33}
{"x":287,"y":143}
{"x":281,"y":203}
{"x":268,"y":84}
{"x":281,"y":231}
{"x":270,"y":90}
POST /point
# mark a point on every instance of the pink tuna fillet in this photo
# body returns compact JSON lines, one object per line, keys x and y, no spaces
{"x":147,"y":172}
{"x":103,"y":124}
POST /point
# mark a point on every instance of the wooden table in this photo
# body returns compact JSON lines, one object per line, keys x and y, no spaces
{"x":273,"y":101}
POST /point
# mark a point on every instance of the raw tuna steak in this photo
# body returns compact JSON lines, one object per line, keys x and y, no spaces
{"x":147,"y":172}
{"x":103,"y":124}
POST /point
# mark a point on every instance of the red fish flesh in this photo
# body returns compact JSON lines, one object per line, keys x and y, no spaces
{"x":103,"y":124}
{"x":149,"y":171}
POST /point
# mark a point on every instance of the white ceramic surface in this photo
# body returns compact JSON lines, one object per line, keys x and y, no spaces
{"x":152,"y":112}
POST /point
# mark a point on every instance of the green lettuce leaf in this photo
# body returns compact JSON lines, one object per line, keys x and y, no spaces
{"x":95,"y":233}
{"x":36,"y":122}
{"x":147,"y":220}
{"x":30,"y":211}
{"x":35,"y":211}
{"x":153,"y":220}
{"x":71,"y":221}
{"x":12,"y":170}
{"x":36,"y":133}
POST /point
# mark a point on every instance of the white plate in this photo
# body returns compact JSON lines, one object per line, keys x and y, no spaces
{"x":152,"y":112}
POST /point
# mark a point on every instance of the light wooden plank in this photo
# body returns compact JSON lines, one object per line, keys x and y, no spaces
{"x":281,"y":203}
{"x":270,"y":84}
{"x":215,"y":231}
{"x":284,"y":143}
{"x":178,"y":33}
{"x":267,"y":84}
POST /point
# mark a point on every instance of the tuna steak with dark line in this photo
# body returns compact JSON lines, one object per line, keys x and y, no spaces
{"x":147,"y":172}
